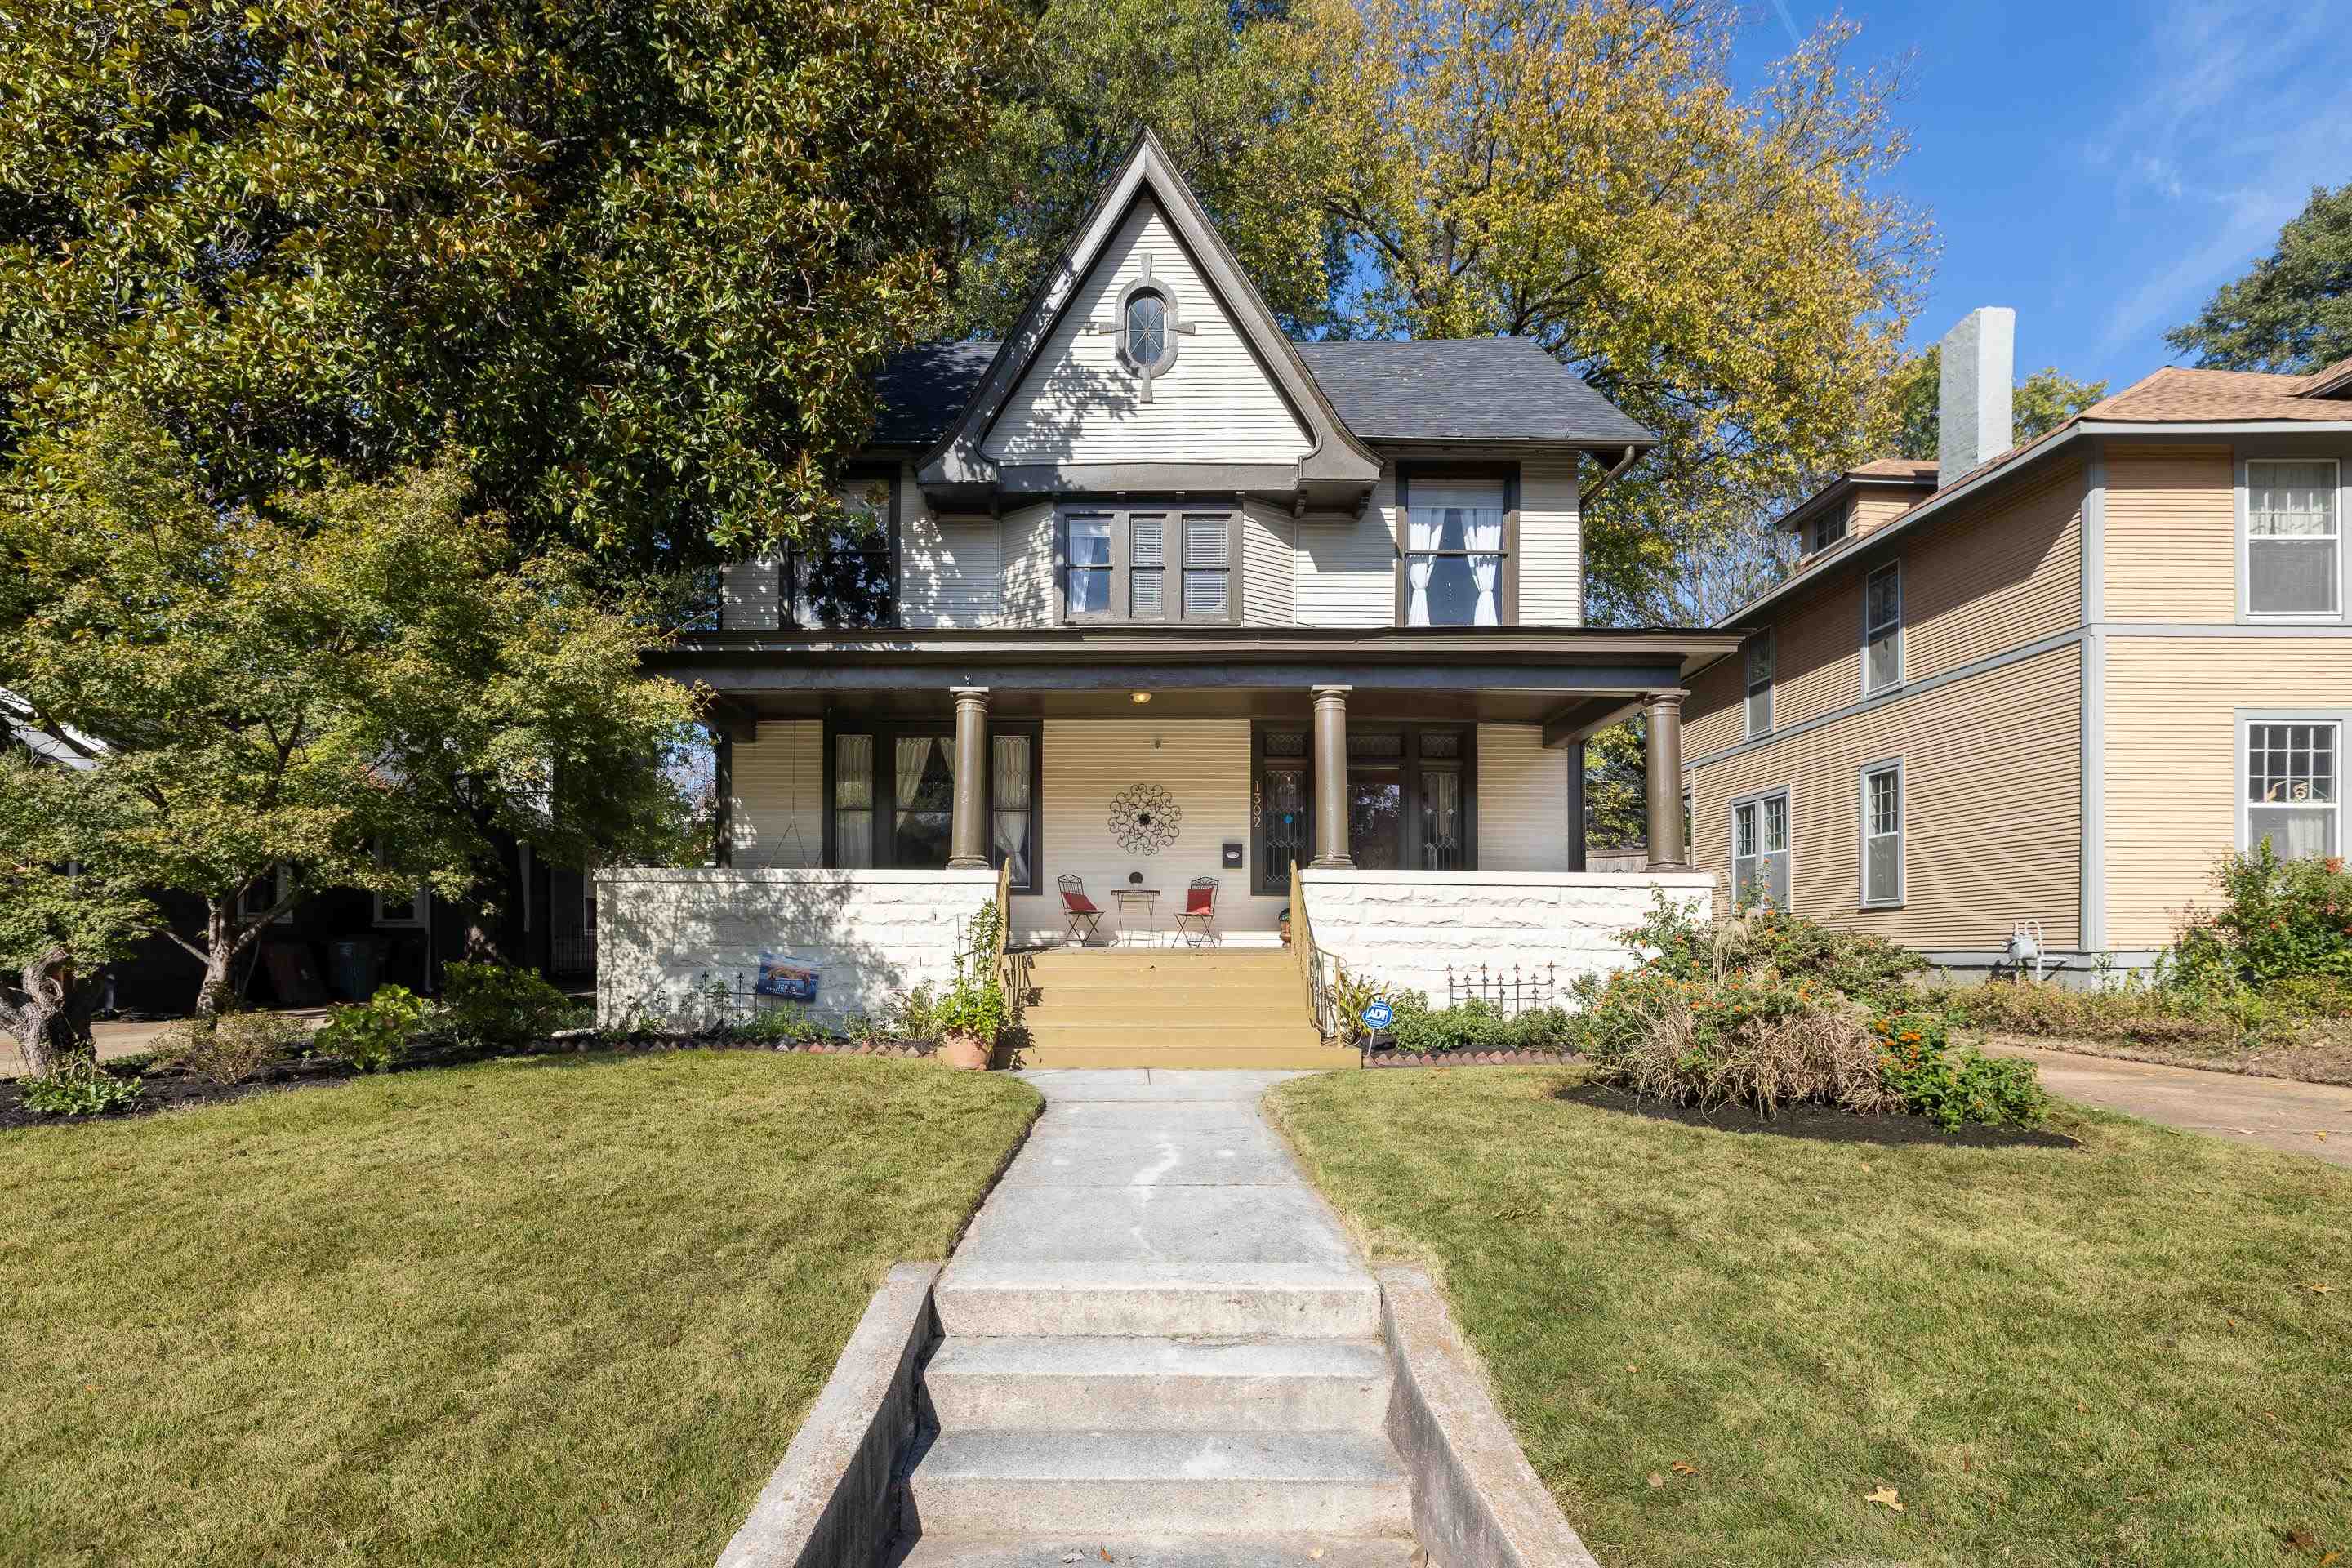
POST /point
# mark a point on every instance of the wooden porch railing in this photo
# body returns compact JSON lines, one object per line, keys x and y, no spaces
{"x":1316,"y":990}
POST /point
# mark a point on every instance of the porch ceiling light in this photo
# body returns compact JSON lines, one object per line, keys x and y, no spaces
{"x":1139,"y":698}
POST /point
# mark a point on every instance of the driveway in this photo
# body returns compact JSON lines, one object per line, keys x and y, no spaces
{"x":114,"y":1040}
{"x":2313,"y":1119}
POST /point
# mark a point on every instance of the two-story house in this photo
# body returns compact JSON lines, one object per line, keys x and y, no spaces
{"x":1152,"y":594}
{"x":2046,"y":685}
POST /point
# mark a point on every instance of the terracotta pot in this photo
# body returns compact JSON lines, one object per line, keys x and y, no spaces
{"x":966,"y":1052}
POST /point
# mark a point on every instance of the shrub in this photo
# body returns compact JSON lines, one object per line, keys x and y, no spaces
{"x":495,"y":1006}
{"x":916,"y":1016}
{"x":2279,"y":920}
{"x":1686,"y":947}
{"x":1917,"y":1063}
{"x":375,"y":1034}
{"x":232,"y":1046}
{"x":972,"y":1006}
{"x":786,"y":1024}
{"x":1753,"y":1039}
{"x":80,"y":1088}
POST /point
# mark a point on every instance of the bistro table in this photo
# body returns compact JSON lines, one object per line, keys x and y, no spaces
{"x":1129,"y":899}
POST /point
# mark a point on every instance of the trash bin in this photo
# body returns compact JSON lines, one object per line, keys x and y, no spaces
{"x":353,"y":968}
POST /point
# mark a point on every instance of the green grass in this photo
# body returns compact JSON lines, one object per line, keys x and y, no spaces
{"x":2106,"y":1355}
{"x":561,"y":1309}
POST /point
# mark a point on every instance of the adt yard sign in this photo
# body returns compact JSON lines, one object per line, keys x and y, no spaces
{"x":1378,"y":1016}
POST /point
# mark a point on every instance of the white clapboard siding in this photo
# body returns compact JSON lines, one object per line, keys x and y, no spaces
{"x":1343,"y":571}
{"x":1028,"y":596}
{"x":1266,"y":591}
{"x":747,"y":595}
{"x":950,"y":567}
{"x":1203,"y":763}
{"x":776,"y":810}
{"x":1551,"y":553}
{"x":1522,"y":800}
{"x":1077,"y":404}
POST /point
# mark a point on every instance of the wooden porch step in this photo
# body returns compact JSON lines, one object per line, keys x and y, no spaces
{"x":1045,"y":1028}
{"x":1257,"y":1058}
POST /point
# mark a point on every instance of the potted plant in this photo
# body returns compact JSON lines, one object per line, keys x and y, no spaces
{"x":1282,"y":924}
{"x":969,"y":1014}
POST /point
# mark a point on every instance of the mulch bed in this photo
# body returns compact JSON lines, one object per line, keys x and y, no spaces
{"x":1379,"y":1059}
{"x":163,"y":1088}
{"x":1823,"y":1122}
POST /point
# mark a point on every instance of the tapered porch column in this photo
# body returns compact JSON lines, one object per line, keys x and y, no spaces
{"x":1331,"y":779}
{"x":968,"y":825}
{"x":1663,"y":713}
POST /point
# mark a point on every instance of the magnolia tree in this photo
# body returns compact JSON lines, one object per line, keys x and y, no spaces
{"x":359,"y":685}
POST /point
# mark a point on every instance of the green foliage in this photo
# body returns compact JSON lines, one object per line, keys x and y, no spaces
{"x":2278,"y":919}
{"x":916,"y":1016}
{"x":80,"y":1088}
{"x":2042,"y":402}
{"x":229,"y":1047}
{"x":1822,"y":957}
{"x":973,"y":1005}
{"x":373,"y":1035}
{"x":1953,"y":1090}
{"x":496,"y":1006}
{"x":786,"y":1024}
{"x":1351,"y":995}
{"x":2292,"y":312}
{"x":1616,"y":808}
{"x":634,"y":264}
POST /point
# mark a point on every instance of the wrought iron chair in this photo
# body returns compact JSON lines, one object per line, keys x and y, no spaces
{"x":1200,"y":911}
{"x":1082,"y":913}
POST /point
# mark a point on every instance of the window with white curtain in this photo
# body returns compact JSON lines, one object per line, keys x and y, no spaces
{"x":852,"y":802}
{"x":2293,"y":798}
{"x":1759,"y":852}
{"x":1759,"y":684}
{"x":1882,"y":630}
{"x":923,"y":806}
{"x":1453,"y":551}
{"x":893,"y":796}
{"x":1881,"y":834}
{"x":1011,"y":798}
{"x":2293,"y":538}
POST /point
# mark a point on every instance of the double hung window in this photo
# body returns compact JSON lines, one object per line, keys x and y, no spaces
{"x":1455,"y":551}
{"x":2293,"y":538}
{"x":1759,"y":684}
{"x":1759,"y":852}
{"x":1882,"y":630}
{"x":1149,"y":565}
{"x":892,"y":794}
{"x":1882,"y":834}
{"x":2293,"y":796}
{"x":845,"y":577}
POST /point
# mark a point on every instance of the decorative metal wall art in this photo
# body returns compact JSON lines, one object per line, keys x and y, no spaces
{"x":1143,"y":819}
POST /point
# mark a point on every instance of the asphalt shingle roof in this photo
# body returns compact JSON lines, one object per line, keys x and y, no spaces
{"x":1436,"y":389}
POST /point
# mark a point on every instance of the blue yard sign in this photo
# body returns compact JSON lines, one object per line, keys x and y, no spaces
{"x":1378,"y":1016}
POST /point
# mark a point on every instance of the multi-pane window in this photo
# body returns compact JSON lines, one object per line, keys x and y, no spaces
{"x":844,"y":578}
{"x":1882,"y":630}
{"x":1146,"y":329}
{"x":2292,"y":797}
{"x":1881,"y":834}
{"x":1759,"y":852}
{"x":1148,"y":566}
{"x":1828,"y":528}
{"x":892,"y":797}
{"x":1207,"y":571}
{"x":1453,"y":553}
{"x":1011,"y":798}
{"x":853,"y":801}
{"x":2294,"y":537}
{"x":1759,"y":684}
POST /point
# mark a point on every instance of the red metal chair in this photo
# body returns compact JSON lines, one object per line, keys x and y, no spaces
{"x":1200,"y":911}
{"x":1082,"y":913}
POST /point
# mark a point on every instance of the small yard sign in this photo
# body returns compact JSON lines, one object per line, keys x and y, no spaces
{"x":1378,"y":1016}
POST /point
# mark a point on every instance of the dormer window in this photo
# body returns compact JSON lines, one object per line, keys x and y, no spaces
{"x":1828,"y":529}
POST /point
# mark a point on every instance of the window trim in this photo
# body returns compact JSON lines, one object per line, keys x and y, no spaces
{"x":1787,"y":795}
{"x":420,"y":904}
{"x":1868,"y":771}
{"x":2244,"y":503}
{"x":1409,"y":765}
{"x":2245,"y":718}
{"x":894,"y":545}
{"x":1748,"y":684}
{"x":280,"y":884}
{"x":887,"y":731}
{"x":1819,"y":539}
{"x":1506,"y":593}
{"x":1171,"y":592}
{"x":1902,"y":642}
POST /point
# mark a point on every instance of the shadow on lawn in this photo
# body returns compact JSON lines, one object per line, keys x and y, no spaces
{"x":1821,"y":1123}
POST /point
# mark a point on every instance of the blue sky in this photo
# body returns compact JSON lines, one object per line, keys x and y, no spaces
{"x":2100,"y":166}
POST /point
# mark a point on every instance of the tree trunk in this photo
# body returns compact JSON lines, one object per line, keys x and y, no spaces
{"x":222,"y":944}
{"x":487,"y":927}
{"x":48,"y":1026}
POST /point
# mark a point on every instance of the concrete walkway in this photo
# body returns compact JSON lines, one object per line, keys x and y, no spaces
{"x":2313,"y":1119}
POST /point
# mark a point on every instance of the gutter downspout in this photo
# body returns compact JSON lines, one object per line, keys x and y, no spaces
{"x":1602,"y":483}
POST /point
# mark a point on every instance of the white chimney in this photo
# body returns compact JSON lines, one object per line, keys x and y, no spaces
{"x":1979,"y":370}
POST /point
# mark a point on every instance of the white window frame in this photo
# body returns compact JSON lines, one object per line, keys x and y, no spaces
{"x":2245,"y":508}
{"x":1902,"y":650}
{"x":2338,"y":719}
{"x":248,"y":906}
{"x":1788,"y":798}
{"x":418,"y":917}
{"x":1902,"y":835}
{"x":1764,"y":641}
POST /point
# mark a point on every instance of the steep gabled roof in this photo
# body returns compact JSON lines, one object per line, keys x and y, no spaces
{"x":1335,"y":455}
{"x":1465,"y":389}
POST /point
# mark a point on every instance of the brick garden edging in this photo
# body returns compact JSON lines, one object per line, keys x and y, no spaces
{"x":1472,"y":1059}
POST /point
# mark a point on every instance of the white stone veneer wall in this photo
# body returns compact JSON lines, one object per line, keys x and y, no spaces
{"x":874,"y":934}
{"x":1403,"y":928}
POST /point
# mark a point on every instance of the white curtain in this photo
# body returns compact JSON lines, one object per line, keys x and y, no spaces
{"x":1485,"y":534}
{"x":912,"y":752}
{"x":1421,"y":534}
{"x":1011,"y":788}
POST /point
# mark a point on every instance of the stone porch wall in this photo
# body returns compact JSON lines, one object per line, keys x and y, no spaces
{"x":875,"y":936}
{"x":1403,"y":928}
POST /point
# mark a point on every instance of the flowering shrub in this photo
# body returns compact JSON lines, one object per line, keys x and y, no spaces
{"x":2279,"y":920}
{"x":1690,"y":948}
{"x":1917,"y":1063}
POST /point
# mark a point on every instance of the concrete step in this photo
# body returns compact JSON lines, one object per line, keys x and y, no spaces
{"x":1205,"y":1484}
{"x":1128,"y":1552}
{"x":1025,"y":1298}
{"x":1159,"y":1384}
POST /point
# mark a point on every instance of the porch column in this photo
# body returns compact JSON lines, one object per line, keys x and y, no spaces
{"x":1331,"y":779}
{"x":1663,"y":713}
{"x":1576,"y":845}
{"x":968,"y":827}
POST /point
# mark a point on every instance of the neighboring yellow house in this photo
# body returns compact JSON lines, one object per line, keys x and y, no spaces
{"x":2043,"y":690}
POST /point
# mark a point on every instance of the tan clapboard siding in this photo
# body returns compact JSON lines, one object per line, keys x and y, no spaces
{"x":1203,"y":763}
{"x":1996,"y":575}
{"x":1712,"y":715}
{"x":1551,"y":549}
{"x":2171,"y":534}
{"x":1266,"y":586}
{"x":950,"y":567}
{"x":776,"y":811}
{"x":1079,"y":404}
{"x":1343,"y":571}
{"x":1817,"y":651}
{"x":747,"y":595}
{"x":1522,"y":800}
{"x":2172,"y":759}
{"x":1869,"y":511}
{"x":1993,"y":800}
{"x":1029,"y":595}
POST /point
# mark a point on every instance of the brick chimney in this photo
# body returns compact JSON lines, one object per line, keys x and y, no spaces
{"x":1979,"y":371}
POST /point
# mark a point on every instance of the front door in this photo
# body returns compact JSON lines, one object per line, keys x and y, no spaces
{"x":1409,"y":799}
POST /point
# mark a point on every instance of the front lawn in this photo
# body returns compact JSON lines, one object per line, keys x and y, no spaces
{"x":2110,"y":1354}
{"x":551,"y":1310}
